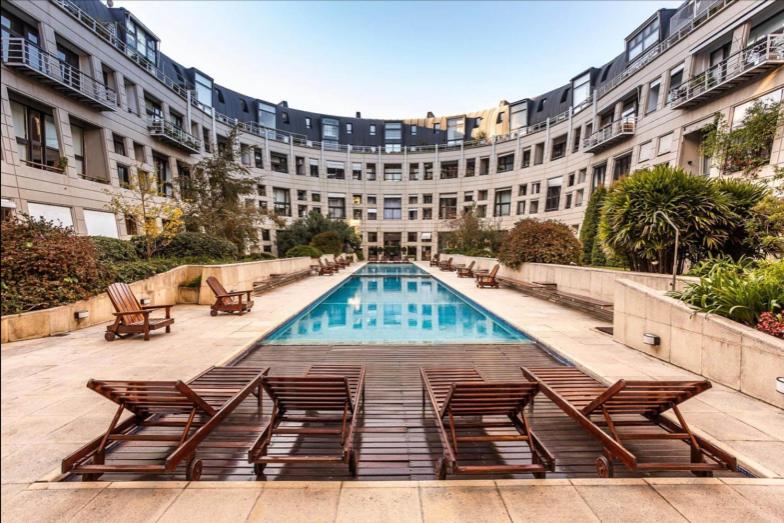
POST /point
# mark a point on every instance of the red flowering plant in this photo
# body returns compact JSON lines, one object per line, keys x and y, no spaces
{"x":772,"y":324}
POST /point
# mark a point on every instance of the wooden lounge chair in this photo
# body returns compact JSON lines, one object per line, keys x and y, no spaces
{"x":325,"y":269}
{"x":332,"y":265}
{"x":434,"y":261}
{"x":341,"y":262}
{"x":132,"y":317}
{"x":489,"y":279}
{"x":467,"y":271}
{"x":462,"y":392}
{"x":166,"y":412}
{"x":235,"y":301}
{"x":446,"y":265}
{"x":639,"y":405}
{"x":302,"y":400}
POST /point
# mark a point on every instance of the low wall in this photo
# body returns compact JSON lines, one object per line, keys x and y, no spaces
{"x":585,"y":281}
{"x":719,"y":349}
{"x":160,"y":289}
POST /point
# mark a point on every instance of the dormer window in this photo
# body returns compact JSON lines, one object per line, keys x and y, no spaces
{"x":642,"y":41}
{"x":581,"y":90}
{"x":140,"y":42}
{"x":540,"y":106}
{"x":220,"y":96}
{"x":244,"y":105}
{"x":203,"y":89}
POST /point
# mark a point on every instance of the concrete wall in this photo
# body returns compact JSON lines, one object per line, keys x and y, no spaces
{"x":585,"y":281}
{"x":160,"y":289}
{"x":722,"y":350}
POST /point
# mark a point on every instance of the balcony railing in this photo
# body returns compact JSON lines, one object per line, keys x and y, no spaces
{"x":744,"y":64}
{"x":170,"y":133}
{"x":610,"y":135}
{"x":687,"y":23}
{"x":27,"y":57}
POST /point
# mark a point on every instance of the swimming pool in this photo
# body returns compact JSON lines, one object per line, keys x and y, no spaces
{"x":378,"y":306}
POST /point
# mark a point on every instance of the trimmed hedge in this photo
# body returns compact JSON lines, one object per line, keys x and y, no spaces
{"x":303,"y":250}
{"x":112,"y":250}
{"x":187,"y":244}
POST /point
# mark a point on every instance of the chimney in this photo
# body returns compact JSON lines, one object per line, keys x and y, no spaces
{"x":430,"y":114}
{"x":283,"y":103}
{"x":359,"y":114}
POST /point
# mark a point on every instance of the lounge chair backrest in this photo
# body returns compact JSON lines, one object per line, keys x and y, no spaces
{"x":471,"y":265}
{"x":494,"y":271}
{"x":323,"y":392}
{"x":489,"y":398}
{"x":644,"y":397}
{"x":123,"y":300}
{"x":152,"y":397}
{"x":216,"y":286}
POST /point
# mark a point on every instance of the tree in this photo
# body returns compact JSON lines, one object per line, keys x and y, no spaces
{"x":158,"y":218}
{"x":328,"y":242}
{"x":214,"y":197}
{"x":534,"y":241}
{"x":633,"y":228}
{"x":473,"y":236}
{"x":743,"y":196}
{"x":592,"y":251}
{"x":302,"y":231}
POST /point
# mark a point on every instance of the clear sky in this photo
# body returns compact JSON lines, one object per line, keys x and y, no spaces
{"x":392,"y":59}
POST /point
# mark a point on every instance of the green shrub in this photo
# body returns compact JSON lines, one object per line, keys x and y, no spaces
{"x":113,"y":250}
{"x":740,"y":292}
{"x":193,"y":283}
{"x":328,"y":242}
{"x":359,"y":254}
{"x":258,"y":256}
{"x":303,"y":230}
{"x":187,"y":244}
{"x":539,"y":241}
{"x":592,"y":250}
{"x":45,"y":265}
{"x":303,"y":250}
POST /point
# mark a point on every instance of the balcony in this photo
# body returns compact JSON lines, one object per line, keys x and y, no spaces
{"x":740,"y":67}
{"x":173,"y":135}
{"x":26,"y":57}
{"x":611,"y":134}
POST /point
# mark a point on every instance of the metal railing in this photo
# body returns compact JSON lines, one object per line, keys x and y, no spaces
{"x":108,"y":32}
{"x":623,"y":127}
{"x":753,"y":56}
{"x":161,"y":127}
{"x":19,"y":52}
{"x":688,"y":23}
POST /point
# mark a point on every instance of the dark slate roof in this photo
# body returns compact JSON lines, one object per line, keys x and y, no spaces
{"x":555,"y":102}
{"x":231,"y":104}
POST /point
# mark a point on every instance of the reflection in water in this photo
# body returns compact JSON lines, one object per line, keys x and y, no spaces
{"x":389,"y":309}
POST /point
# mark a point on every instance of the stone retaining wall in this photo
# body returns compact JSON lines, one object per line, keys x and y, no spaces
{"x":722,"y":350}
{"x":160,"y":289}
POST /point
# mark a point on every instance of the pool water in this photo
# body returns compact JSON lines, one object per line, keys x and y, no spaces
{"x":408,"y":306}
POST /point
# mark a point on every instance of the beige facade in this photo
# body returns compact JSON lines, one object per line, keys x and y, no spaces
{"x":664,"y":131}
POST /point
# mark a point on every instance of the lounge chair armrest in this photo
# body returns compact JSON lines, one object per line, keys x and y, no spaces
{"x":237,"y":293}
{"x":125,"y":313}
{"x":150,"y":307}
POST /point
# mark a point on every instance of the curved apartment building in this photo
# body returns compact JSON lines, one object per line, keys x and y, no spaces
{"x":87,"y":97}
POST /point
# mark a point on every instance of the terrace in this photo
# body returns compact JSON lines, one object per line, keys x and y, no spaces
{"x":48,"y":413}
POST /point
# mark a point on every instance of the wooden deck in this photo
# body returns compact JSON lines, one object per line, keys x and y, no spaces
{"x":396,"y":438}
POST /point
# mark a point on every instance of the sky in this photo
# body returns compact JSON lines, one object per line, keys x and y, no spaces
{"x":392,"y":59}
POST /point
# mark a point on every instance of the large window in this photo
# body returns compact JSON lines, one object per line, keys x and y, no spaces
{"x":36,"y":135}
{"x":140,"y":42}
{"x":622,"y":166}
{"x":558,"y":148}
{"x":330,"y":129}
{"x":393,"y":131}
{"x":503,"y":202}
{"x":519,"y":118}
{"x":393,"y":172}
{"x":279,"y":162}
{"x":643,"y":40}
{"x":449,"y":169}
{"x":54,"y":213}
{"x":282,"y":201}
{"x":267,"y":115}
{"x":336,"y":170}
{"x":553,"y":199}
{"x":599,"y":174}
{"x":455,"y":129}
{"x":581,"y":90}
{"x":393,"y":207}
{"x":153,"y":109}
{"x":100,"y":223}
{"x":337,"y":207}
{"x":203,"y":89}
{"x":505,"y":163}
{"x":447,"y":207}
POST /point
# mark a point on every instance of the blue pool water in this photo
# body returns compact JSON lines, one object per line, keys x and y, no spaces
{"x":408,"y":306}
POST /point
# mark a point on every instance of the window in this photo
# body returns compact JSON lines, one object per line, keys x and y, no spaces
{"x":282,"y":201}
{"x":393,"y":132}
{"x":284,"y":116}
{"x":482,"y":195}
{"x":393,"y":208}
{"x":427,"y":214}
{"x":314,"y":167}
{"x":357,"y":214}
{"x":553,"y":197}
{"x":665,"y":144}
{"x":280,"y":162}
{"x":533,"y":207}
{"x":503,"y":202}
{"x":393,"y":172}
{"x":739,"y":111}
{"x":484,"y":166}
{"x":349,"y":128}
{"x":336,"y":170}
{"x":267,"y":115}
{"x":582,"y":174}
{"x":428,"y":170}
{"x":653,"y":96}
{"x":100,"y":223}
{"x":536,"y":187}
{"x":207,"y":136}
{"x":449,"y":169}
{"x":139,"y":42}
{"x":578,"y":197}
{"x":371,"y":199}
{"x":54,"y":213}
{"x":622,"y":166}
{"x":413,"y":171}
{"x":77,"y":136}
{"x":245,"y":155}
{"x":505,"y":163}
{"x":36,"y":135}
{"x":447,"y":207}
{"x":643,"y":40}
{"x":336,"y":207}
{"x":119,"y":144}
{"x":412,"y":213}
{"x":370,"y":171}
{"x":299,"y":165}
{"x":427,"y":198}
{"x":356,"y":199}
{"x":540,"y":105}
{"x":470,"y":169}
{"x":455,"y":129}
{"x":676,"y":77}
{"x":646,"y":151}
{"x":521,"y":207}
{"x":372,"y":237}
{"x":526,"y":158}
{"x":372,"y":129}
{"x":413,"y":130}
{"x":162,"y":176}
{"x":372,"y":214}
{"x":436,"y":127}
{"x":599,"y":173}
{"x":539,"y":153}
{"x":522,"y":189}
{"x":220,"y":95}
{"x":519,"y":117}
{"x":411,"y":237}
{"x":153,"y":110}
{"x":576,"y":141}
{"x":581,"y":91}
{"x":568,"y":202}
{"x":558,"y":149}
{"x":302,"y":196}
{"x":356,"y":171}
{"x":468,"y":196}
{"x":261,"y":190}
{"x":123,"y":175}
{"x":481,"y":211}
{"x":315,"y":197}
{"x":330,"y":129}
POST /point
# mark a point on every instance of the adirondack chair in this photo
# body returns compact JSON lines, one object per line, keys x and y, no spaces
{"x":434,"y":261}
{"x":325,"y":269}
{"x":467,"y":271}
{"x":634,"y":404}
{"x":463,"y":400}
{"x":446,"y":265}
{"x":488,"y":280}
{"x":132,"y":317}
{"x":235,"y":301}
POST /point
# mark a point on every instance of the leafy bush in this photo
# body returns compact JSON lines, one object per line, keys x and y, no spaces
{"x":328,"y":242}
{"x":742,"y":198}
{"x":303,"y":230}
{"x":360,"y":255}
{"x":592,"y":251}
{"x":187,"y":244}
{"x":543,"y":242}
{"x":45,"y":265}
{"x":112,"y":250}
{"x":739,"y":292}
{"x":258,"y":256}
{"x":303,"y":250}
